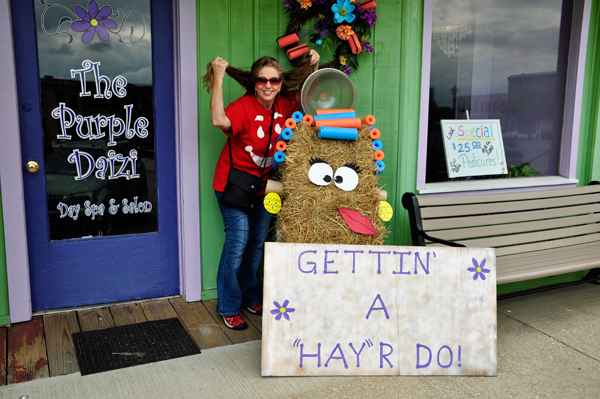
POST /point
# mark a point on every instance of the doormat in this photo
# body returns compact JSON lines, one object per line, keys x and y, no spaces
{"x":125,"y":346}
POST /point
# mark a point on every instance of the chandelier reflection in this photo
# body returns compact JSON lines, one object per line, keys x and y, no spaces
{"x":448,"y":37}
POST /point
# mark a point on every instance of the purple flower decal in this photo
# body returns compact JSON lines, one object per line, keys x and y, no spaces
{"x":94,"y":20}
{"x":368,"y":48}
{"x":479,"y":269}
{"x":369,"y":16}
{"x":282,"y":310}
{"x":346,"y":69}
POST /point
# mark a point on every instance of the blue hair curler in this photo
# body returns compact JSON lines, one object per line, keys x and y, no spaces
{"x":297,"y":116}
{"x":341,"y":115}
{"x":286,"y":134}
{"x":338,"y":133}
{"x":379,"y":167}
{"x":278,"y":159}
{"x":377,"y":145}
{"x":371,"y":127}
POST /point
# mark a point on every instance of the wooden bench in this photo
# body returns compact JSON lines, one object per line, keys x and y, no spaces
{"x":535,"y":234}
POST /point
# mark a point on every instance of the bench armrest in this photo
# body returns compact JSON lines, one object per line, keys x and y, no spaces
{"x":411,"y":204}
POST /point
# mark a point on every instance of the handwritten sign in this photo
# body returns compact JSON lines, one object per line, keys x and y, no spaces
{"x":473,"y":147}
{"x":378,"y":310}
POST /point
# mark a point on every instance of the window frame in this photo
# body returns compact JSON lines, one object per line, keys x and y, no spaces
{"x":571,"y":115}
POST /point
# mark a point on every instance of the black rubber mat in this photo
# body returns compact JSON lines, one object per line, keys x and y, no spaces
{"x":125,"y":346}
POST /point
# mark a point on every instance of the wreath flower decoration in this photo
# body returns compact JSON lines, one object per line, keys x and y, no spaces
{"x":342,"y":27}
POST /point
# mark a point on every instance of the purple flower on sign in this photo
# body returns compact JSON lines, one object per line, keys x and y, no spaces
{"x":282,"y":310}
{"x":94,"y":20}
{"x":479,"y":269}
{"x":368,"y":48}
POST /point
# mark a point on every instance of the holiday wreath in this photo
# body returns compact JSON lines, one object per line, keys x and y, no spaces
{"x":343,"y":26}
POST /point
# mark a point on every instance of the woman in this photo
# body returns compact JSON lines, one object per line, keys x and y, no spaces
{"x":248,"y":123}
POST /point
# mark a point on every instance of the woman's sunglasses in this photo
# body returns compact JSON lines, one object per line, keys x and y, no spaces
{"x":263,"y":81}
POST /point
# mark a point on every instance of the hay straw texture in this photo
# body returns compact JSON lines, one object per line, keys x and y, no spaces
{"x":309,"y":213}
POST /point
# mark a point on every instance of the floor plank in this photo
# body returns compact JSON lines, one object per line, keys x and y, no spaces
{"x":201,"y":326}
{"x":58,"y":328}
{"x":158,"y":310}
{"x":95,"y":319}
{"x":27,"y":358}
{"x":127,"y":314}
{"x":237,"y":337}
{"x":3,"y":344}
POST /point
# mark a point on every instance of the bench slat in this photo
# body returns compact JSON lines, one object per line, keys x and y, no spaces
{"x":510,"y":206}
{"x":526,"y":273}
{"x":581,"y":251}
{"x":430,"y":225}
{"x":516,"y":228}
{"x":518,"y":239}
{"x":516,"y":249}
{"x":426,"y":201}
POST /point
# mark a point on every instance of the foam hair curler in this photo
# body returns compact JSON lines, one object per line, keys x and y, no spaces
{"x":369,"y":120}
{"x":342,"y":115}
{"x":333,"y":111}
{"x":354,"y":43}
{"x":374,"y":134}
{"x":308,"y":120}
{"x":371,"y":127}
{"x":278,"y":159}
{"x":379,"y":167}
{"x":297,"y":51}
{"x":287,"y":40}
{"x":297,"y":116}
{"x":379,"y":155}
{"x":368,"y":4}
{"x":290,"y":123}
{"x":377,"y":145}
{"x":352,"y":123}
{"x":285,"y":135}
{"x":338,"y":133}
{"x":281,"y":145}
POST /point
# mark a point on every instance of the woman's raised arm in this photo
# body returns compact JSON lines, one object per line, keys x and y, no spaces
{"x":217,"y":108}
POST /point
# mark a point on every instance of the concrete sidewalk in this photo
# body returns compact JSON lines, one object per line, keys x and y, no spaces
{"x":548,"y":347}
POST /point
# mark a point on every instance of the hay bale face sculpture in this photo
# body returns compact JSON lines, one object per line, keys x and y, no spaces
{"x":330,"y":191}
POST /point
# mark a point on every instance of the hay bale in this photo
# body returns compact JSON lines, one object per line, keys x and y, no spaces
{"x":309,"y":213}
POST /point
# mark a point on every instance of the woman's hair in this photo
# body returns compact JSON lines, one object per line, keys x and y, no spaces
{"x":247,"y":79}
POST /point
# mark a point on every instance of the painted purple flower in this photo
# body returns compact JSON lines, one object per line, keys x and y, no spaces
{"x":479,"y":269}
{"x":282,"y":310}
{"x":369,"y":16}
{"x":346,"y":69}
{"x":94,"y":20}
{"x":368,"y":48}
{"x":287,"y":4}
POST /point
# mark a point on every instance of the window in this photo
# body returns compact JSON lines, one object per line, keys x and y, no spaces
{"x":508,"y":60}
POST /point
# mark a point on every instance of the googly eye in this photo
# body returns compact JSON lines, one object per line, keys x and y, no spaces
{"x":346,"y":178}
{"x":320,"y":173}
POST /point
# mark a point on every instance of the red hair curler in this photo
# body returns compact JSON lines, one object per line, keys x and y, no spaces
{"x":333,"y":111}
{"x":379,"y":155}
{"x":352,"y":123}
{"x":354,"y":43}
{"x":374,"y":134}
{"x":281,"y":145}
{"x":287,"y":40}
{"x":290,"y":123}
{"x":297,"y":51}
{"x":369,"y":120}
{"x":308,"y":120}
{"x":368,"y":4}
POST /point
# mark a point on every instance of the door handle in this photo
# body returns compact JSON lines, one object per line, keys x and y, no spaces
{"x":32,"y":166}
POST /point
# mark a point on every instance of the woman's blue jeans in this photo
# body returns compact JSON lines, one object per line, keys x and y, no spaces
{"x":238,"y":283}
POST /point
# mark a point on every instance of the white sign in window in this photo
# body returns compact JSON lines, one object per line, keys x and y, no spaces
{"x":473,"y":147}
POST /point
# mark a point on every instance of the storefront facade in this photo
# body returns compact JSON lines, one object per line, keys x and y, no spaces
{"x":406,"y":84}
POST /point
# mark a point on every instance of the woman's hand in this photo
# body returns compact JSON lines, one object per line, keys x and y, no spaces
{"x":219,"y":66}
{"x":314,"y":59}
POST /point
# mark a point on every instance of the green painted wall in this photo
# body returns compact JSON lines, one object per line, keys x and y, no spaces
{"x":4,"y":311}
{"x":388,"y":86}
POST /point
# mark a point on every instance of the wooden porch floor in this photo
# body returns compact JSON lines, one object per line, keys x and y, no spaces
{"x":43,"y":347}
